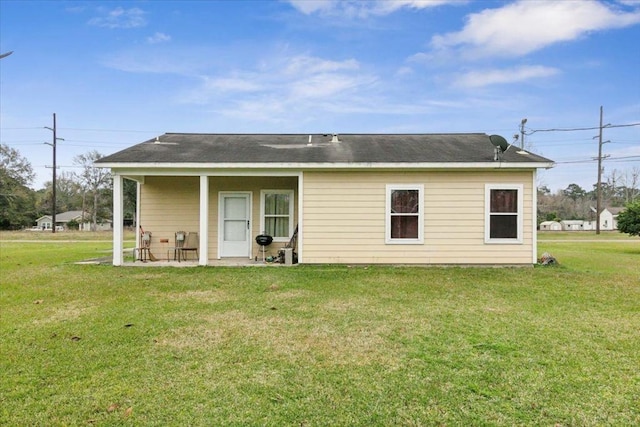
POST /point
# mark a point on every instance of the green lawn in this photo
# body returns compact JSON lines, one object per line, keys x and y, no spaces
{"x":315,"y":346}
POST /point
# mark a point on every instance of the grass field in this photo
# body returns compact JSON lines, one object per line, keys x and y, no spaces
{"x":319,"y":345}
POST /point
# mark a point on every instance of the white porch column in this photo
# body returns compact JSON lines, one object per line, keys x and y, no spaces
{"x":137,"y":225}
{"x":204,"y":221}
{"x":118,"y":213}
{"x":534,"y":219}
{"x":300,"y":217}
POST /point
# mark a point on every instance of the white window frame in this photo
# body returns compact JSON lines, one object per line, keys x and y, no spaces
{"x":390,"y":188}
{"x":263,"y":194}
{"x":488,"y":214}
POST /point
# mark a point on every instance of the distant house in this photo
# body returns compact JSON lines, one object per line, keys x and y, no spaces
{"x":44,"y":222}
{"x":608,"y":219}
{"x":353,"y":198}
{"x":63,"y":219}
{"x":550,"y":226}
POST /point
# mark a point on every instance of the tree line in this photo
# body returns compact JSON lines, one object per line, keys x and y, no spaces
{"x":618,"y":189}
{"x":89,"y":190}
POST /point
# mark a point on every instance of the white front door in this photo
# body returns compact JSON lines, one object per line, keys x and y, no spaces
{"x":234,"y":225}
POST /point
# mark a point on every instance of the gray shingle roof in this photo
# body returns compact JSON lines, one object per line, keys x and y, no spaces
{"x":176,"y":148}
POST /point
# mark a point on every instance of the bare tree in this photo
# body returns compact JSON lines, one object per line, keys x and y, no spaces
{"x":631,"y":185}
{"x":93,"y":180}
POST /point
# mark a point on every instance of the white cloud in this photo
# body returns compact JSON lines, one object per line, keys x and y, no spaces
{"x":526,"y":26}
{"x":312,"y":6}
{"x":363,"y":9}
{"x":120,"y":18}
{"x":153,"y":61}
{"x":294,"y":77}
{"x":158,"y":38}
{"x":480,"y":78}
{"x":283,"y":86}
{"x":324,"y":86}
{"x":230,"y":84}
{"x":304,"y":64}
{"x":404,"y":71}
{"x":384,"y":7}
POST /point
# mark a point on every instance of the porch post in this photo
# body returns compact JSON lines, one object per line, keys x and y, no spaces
{"x":300,"y":217}
{"x":118,"y":209}
{"x":137,"y":224}
{"x":204,"y":220}
{"x":534,"y":220}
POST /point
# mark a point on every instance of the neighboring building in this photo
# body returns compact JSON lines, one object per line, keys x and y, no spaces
{"x":608,"y":219}
{"x":370,"y":199}
{"x":63,"y":219}
{"x":550,"y":226}
{"x":572,"y":224}
{"x":44,"y":222}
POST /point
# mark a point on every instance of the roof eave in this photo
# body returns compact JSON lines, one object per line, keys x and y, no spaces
{"x":329,"y":165}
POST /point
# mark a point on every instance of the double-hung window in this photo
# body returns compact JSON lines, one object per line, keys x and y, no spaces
{"x":503,"y":213}
{"x":276,"y":219}
{"x":405,"y":214}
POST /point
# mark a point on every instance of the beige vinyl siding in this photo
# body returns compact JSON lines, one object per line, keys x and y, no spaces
{"x":170,"y":204}
{"x":167,"y":205}
{"x":344,"y":218}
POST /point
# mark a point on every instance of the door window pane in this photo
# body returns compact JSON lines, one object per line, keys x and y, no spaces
{"x":235,"y":231}
{"x":235,"y":207}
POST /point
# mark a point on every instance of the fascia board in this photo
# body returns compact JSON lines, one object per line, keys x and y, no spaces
{"x":311,"y":166}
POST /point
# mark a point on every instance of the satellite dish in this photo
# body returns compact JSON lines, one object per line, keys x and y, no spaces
{"x":499,"y":142}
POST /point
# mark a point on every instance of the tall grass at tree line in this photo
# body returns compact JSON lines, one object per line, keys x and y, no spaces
{"x":319,"y":345}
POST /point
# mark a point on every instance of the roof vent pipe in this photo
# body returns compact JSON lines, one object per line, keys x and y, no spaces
{"x":334,"y":139}
{"x":497,"y":154}
{"x":309,"y":143}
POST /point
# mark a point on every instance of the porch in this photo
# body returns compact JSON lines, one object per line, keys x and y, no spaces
{"x":224,"y":213}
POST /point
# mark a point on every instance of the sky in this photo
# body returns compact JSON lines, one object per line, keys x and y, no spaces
{"x":117,"y":73}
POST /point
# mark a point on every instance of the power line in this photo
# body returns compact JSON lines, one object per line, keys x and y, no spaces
{"x":114,"y":130}
{"x":609,"y":126}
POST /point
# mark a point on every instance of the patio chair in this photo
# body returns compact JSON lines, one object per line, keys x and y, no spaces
{"x":179,"y":240}
{"x":191,"y":243}
{"x":144,"y":251}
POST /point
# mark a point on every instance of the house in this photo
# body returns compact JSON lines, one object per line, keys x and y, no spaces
{"x":44,"y":222}
{"x":354,"y":198}
{"x":550,"y":226}
{"x":64,"y":218}
{"x":608,"y":219}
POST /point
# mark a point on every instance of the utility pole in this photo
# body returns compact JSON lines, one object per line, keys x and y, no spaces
{"x":599,"y":185}
{"x":522,"y":123}
{"x":53,"y":201}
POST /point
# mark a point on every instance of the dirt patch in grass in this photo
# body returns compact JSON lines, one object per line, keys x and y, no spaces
{"x":210,"y":295}
{"x":290,"y":339}
{"x":68,"y":312}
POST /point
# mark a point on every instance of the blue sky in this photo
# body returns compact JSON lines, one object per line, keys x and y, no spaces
{"x":119,"y":72}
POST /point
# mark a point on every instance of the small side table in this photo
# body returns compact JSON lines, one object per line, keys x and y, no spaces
{"x":165,"y":243}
